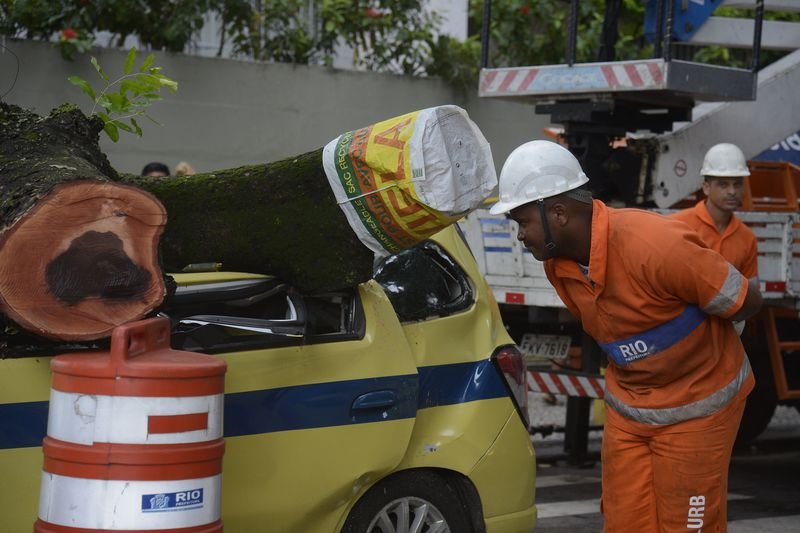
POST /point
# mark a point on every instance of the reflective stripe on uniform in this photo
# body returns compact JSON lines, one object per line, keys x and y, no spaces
{"x":656,"y":339}
{"x":727,"y":295}
{"x":673,"y":415}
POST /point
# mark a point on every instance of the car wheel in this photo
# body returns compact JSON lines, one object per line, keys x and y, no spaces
{"x":416,"y":501}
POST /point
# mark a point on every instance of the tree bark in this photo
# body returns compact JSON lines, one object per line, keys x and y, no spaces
{"x":78,"y":250}
{"x":83,"y":249}
{"x":79,"y":243}
{"x":280,"y":218}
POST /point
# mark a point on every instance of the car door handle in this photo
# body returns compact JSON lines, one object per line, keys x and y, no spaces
{"x":381,"y":399}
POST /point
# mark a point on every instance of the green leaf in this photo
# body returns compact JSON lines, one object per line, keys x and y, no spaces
{"x":112,"y":131}
{"x":130,"y":60}
{"x":149,"y":81}
{"x":84,"y":85}
{"x":136,"y":92}
{"x":130,"y":86}
{"x":104,"y":102}
{"x":118,"y":103}
{"x":121,"y":125}
{"x":99,"y":70}
{"x":172,"y":85}
{"x":147,"y":62}
{"x":136,"y":127}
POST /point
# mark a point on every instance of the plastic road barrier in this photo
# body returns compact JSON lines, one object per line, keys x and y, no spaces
{"x":134,"y":438}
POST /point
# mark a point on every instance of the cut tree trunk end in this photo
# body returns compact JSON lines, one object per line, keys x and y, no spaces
{"x":83,"y":261}
{"x":78,"y":251}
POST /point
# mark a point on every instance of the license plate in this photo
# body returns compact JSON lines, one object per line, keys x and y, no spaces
{"x":539,"y":347}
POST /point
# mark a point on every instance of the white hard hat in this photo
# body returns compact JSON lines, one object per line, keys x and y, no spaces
{"x":534,"y":171}
{"x":725,"y":160}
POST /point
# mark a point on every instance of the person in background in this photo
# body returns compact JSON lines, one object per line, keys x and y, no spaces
{"x":155,"y":169}
{"x":184,"y":169}
{"x":660,"y":303}
{"x":724,"y":170}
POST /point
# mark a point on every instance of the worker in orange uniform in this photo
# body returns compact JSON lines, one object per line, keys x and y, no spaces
{"x":724,"y":169}
{"x":660,"y":303}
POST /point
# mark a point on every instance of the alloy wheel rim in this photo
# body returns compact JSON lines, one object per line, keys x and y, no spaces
{"x":409,"y":515}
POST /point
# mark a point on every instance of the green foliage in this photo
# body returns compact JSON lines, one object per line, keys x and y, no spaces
{"x":7,"y":24}
{"x":278,"y":31}
{"x":71,"y":42}
{"x":385,"y":35}
{"x":398,"y":36}
{"x":455,"y":61}
{"x":121,"y":101}
{"x":159,"y":24}
{"x":534,"y":32}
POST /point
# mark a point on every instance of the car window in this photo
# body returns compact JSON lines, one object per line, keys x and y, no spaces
{"x":278,"y":317}
{"x":424,"y":282}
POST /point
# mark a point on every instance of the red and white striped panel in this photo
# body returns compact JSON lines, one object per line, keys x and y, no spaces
{"x":567,"y":384}
{"x":579,"y":78}
{"x":633,"y":75}
{"x":513,"y":80}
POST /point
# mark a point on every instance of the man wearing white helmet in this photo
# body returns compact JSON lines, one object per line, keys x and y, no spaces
{"x":659,"y":303}
{"x":724,"y":169}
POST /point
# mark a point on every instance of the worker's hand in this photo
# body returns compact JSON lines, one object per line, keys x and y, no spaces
{"x":738,"y":325}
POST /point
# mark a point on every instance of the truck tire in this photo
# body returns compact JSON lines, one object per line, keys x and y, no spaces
{"x":413,"y":497}
{"x":763,"y":400}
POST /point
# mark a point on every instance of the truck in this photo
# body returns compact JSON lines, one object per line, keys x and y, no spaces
{"x":640,"y":129}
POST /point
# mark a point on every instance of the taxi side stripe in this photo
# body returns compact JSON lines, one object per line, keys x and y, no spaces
{"x":315,"y":405}
{"x":24,"y":425}
{"x":459,"y":383}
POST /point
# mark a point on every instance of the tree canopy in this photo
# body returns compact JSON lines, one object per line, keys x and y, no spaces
{"x":398,"y":36}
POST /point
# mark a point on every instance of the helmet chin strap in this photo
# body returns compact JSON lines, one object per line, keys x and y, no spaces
{"x":549,"y":243}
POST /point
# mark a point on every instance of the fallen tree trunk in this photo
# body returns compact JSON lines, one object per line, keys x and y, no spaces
{"x":79,"y":244}
{"x":279,"y":218}
{"x":78,"y":250}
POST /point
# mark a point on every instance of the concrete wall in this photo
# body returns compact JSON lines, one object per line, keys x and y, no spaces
{"x":228,"y":113}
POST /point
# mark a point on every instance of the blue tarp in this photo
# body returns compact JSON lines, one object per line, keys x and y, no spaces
{"x":788,"y":150}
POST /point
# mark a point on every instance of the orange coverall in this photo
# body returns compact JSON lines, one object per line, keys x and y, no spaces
{"x":658,"y":302}
{"x":737,"y":243}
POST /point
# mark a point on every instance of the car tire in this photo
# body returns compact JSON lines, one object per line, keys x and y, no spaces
{"x":415,"y":500}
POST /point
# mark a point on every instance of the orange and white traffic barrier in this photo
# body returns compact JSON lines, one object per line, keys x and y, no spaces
{"x":134,"y":438}
{"x":567,"y":384}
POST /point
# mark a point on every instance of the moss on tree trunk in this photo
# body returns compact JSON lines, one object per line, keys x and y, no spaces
{"x":278,"y":218}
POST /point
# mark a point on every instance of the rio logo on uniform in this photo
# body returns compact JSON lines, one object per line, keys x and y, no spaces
{"x":633,"y":350}
{"x":172,"y":501}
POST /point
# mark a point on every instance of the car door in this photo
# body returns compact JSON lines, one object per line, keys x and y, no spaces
{"x":310,"y":422}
